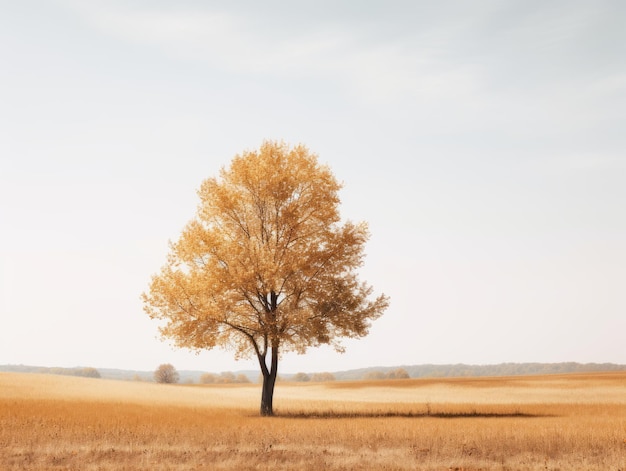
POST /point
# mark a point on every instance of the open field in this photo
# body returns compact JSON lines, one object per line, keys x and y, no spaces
{"x":524,"y":423}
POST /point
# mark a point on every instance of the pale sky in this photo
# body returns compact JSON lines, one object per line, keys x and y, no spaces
{"x":484,"y":142}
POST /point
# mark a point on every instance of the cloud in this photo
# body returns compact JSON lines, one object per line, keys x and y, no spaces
{"x":376,"y":70}
{"x":531,"y":69}
{"x":221,"y":38}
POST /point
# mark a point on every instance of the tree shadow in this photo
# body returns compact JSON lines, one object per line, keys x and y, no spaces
{"x":406,"y":415}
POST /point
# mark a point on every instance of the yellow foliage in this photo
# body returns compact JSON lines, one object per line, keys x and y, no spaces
{"x":266,"y":264}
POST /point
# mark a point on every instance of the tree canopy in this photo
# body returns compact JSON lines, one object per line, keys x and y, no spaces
{"x":166,"y":373}
{"x":266,"y":265}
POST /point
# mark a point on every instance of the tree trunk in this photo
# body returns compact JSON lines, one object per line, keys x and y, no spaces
{"x":267,"y":396}
{"x":269,"y":381}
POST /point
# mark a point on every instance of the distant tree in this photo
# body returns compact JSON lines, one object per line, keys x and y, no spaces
{"x":374,"y":375}
{"x":322,"y":377}
{"x":227,"y":377}
{"x":88,"y":372}
{"x":166,"y":373}
{"x":266,"y":266}
{"x":301,"y":377}
{"x":208,"y":378}
{"x":398,"y":373}
{"x":242,"y":378}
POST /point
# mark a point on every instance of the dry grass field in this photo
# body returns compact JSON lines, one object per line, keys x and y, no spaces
{"x":565,"y":422}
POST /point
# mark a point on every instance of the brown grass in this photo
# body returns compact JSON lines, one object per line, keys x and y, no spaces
{"x":529,"y":423}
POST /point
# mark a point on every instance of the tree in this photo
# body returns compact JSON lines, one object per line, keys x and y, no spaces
{"x":398,"y":373}
{"x":301,"y":377}
{"x":208,"y":378}
{"x":227,"y":377}
{"x":322,"y":377}
{"x":242,"y":378}
{"x":266,"y":266}
{"x":374,"y":375}
{"x":88,"y":372}
{"x":166,"y":373}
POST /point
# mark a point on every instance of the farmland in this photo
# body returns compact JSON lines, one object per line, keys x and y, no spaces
{"x":527,"y":423}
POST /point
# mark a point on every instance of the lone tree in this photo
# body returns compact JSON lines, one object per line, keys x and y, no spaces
{"x":166,"y":373}
{"x":266,"y":266}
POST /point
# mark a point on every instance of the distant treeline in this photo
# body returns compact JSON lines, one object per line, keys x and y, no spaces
{"x":86,"y":372}
{"x":502,"y":369}
{"x":412,"y":371}
{"x":224,"y":378}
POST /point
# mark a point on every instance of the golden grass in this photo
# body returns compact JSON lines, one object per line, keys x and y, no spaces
{"x":528,"y":423}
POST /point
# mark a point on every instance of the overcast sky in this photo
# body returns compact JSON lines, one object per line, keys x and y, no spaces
{"x":484,"y":142}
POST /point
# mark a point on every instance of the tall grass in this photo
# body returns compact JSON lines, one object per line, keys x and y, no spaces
{"x":567,"y":422}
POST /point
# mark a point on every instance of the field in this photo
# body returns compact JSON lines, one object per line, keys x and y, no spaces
{"x":520,"y":423}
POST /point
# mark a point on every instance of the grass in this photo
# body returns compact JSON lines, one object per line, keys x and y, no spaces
{"x":527,"y":423}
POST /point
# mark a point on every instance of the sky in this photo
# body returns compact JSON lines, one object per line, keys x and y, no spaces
{"x":484,"y":143}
